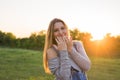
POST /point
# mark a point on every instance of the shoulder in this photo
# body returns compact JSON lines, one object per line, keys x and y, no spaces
{"x":77,"y":43}
{"x":51,"y":53}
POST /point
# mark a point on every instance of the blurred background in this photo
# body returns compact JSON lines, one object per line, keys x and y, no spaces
{"x":23,"y":25}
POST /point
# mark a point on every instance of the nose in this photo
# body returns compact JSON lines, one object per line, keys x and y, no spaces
{"x":61,"y":32}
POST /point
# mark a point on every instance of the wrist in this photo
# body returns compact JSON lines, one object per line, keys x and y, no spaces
{"x":70,"y":50}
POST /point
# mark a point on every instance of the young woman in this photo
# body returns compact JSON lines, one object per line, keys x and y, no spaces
{"x":63,"y":57}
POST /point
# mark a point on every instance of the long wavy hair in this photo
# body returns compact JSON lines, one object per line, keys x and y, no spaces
{"x":50,"y":40}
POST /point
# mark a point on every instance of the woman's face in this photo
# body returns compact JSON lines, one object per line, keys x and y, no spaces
{"x":60,"y":30}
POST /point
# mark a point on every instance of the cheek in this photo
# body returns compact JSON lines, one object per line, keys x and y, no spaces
{"x":65,"y":33}
{"x":55,"y":34}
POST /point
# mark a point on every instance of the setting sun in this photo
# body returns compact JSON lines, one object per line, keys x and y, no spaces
{"x":97,"y":36}
{"x":100,"y":36}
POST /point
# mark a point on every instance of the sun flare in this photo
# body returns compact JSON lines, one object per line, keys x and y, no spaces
{"x":97,"y":36}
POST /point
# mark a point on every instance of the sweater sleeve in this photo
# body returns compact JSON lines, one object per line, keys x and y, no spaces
{"x":60,"y":66}
{"x":80,"y":57}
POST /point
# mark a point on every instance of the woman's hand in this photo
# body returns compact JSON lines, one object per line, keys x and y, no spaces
{"x":69,"y":43}
{"x":61,"y":43}
{"x":64,"y":43}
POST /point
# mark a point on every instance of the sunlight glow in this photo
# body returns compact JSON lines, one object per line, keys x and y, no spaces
{"x":27,"y":16}
{"x":97,"y":36}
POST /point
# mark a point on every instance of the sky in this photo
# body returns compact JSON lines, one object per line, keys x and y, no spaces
{"x":23,"y":17}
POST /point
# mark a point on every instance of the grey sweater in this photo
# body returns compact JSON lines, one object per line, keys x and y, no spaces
{"x":61,"y":66}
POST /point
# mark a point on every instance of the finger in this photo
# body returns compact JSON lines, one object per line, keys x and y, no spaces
{"x":57,"y":40}
{"x":61,"y":39}
{"x":55,"y":46}
{"x":70,"y":38}
{"x":66,"y":39}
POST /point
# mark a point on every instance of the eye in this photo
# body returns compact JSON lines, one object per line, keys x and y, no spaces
{"x":55,"y":30}
{"x":62,"y":28}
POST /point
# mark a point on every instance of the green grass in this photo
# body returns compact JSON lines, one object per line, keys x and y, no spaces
{"x":21,"y":64}
{"x":104,"y":69}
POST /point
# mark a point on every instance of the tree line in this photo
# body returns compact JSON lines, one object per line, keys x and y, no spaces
{"x":107,"y":47}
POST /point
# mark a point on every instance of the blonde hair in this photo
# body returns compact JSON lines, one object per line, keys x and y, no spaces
{"x":49,"y":40}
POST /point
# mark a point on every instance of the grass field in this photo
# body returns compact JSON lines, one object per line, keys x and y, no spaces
{"x":21,"y":64}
